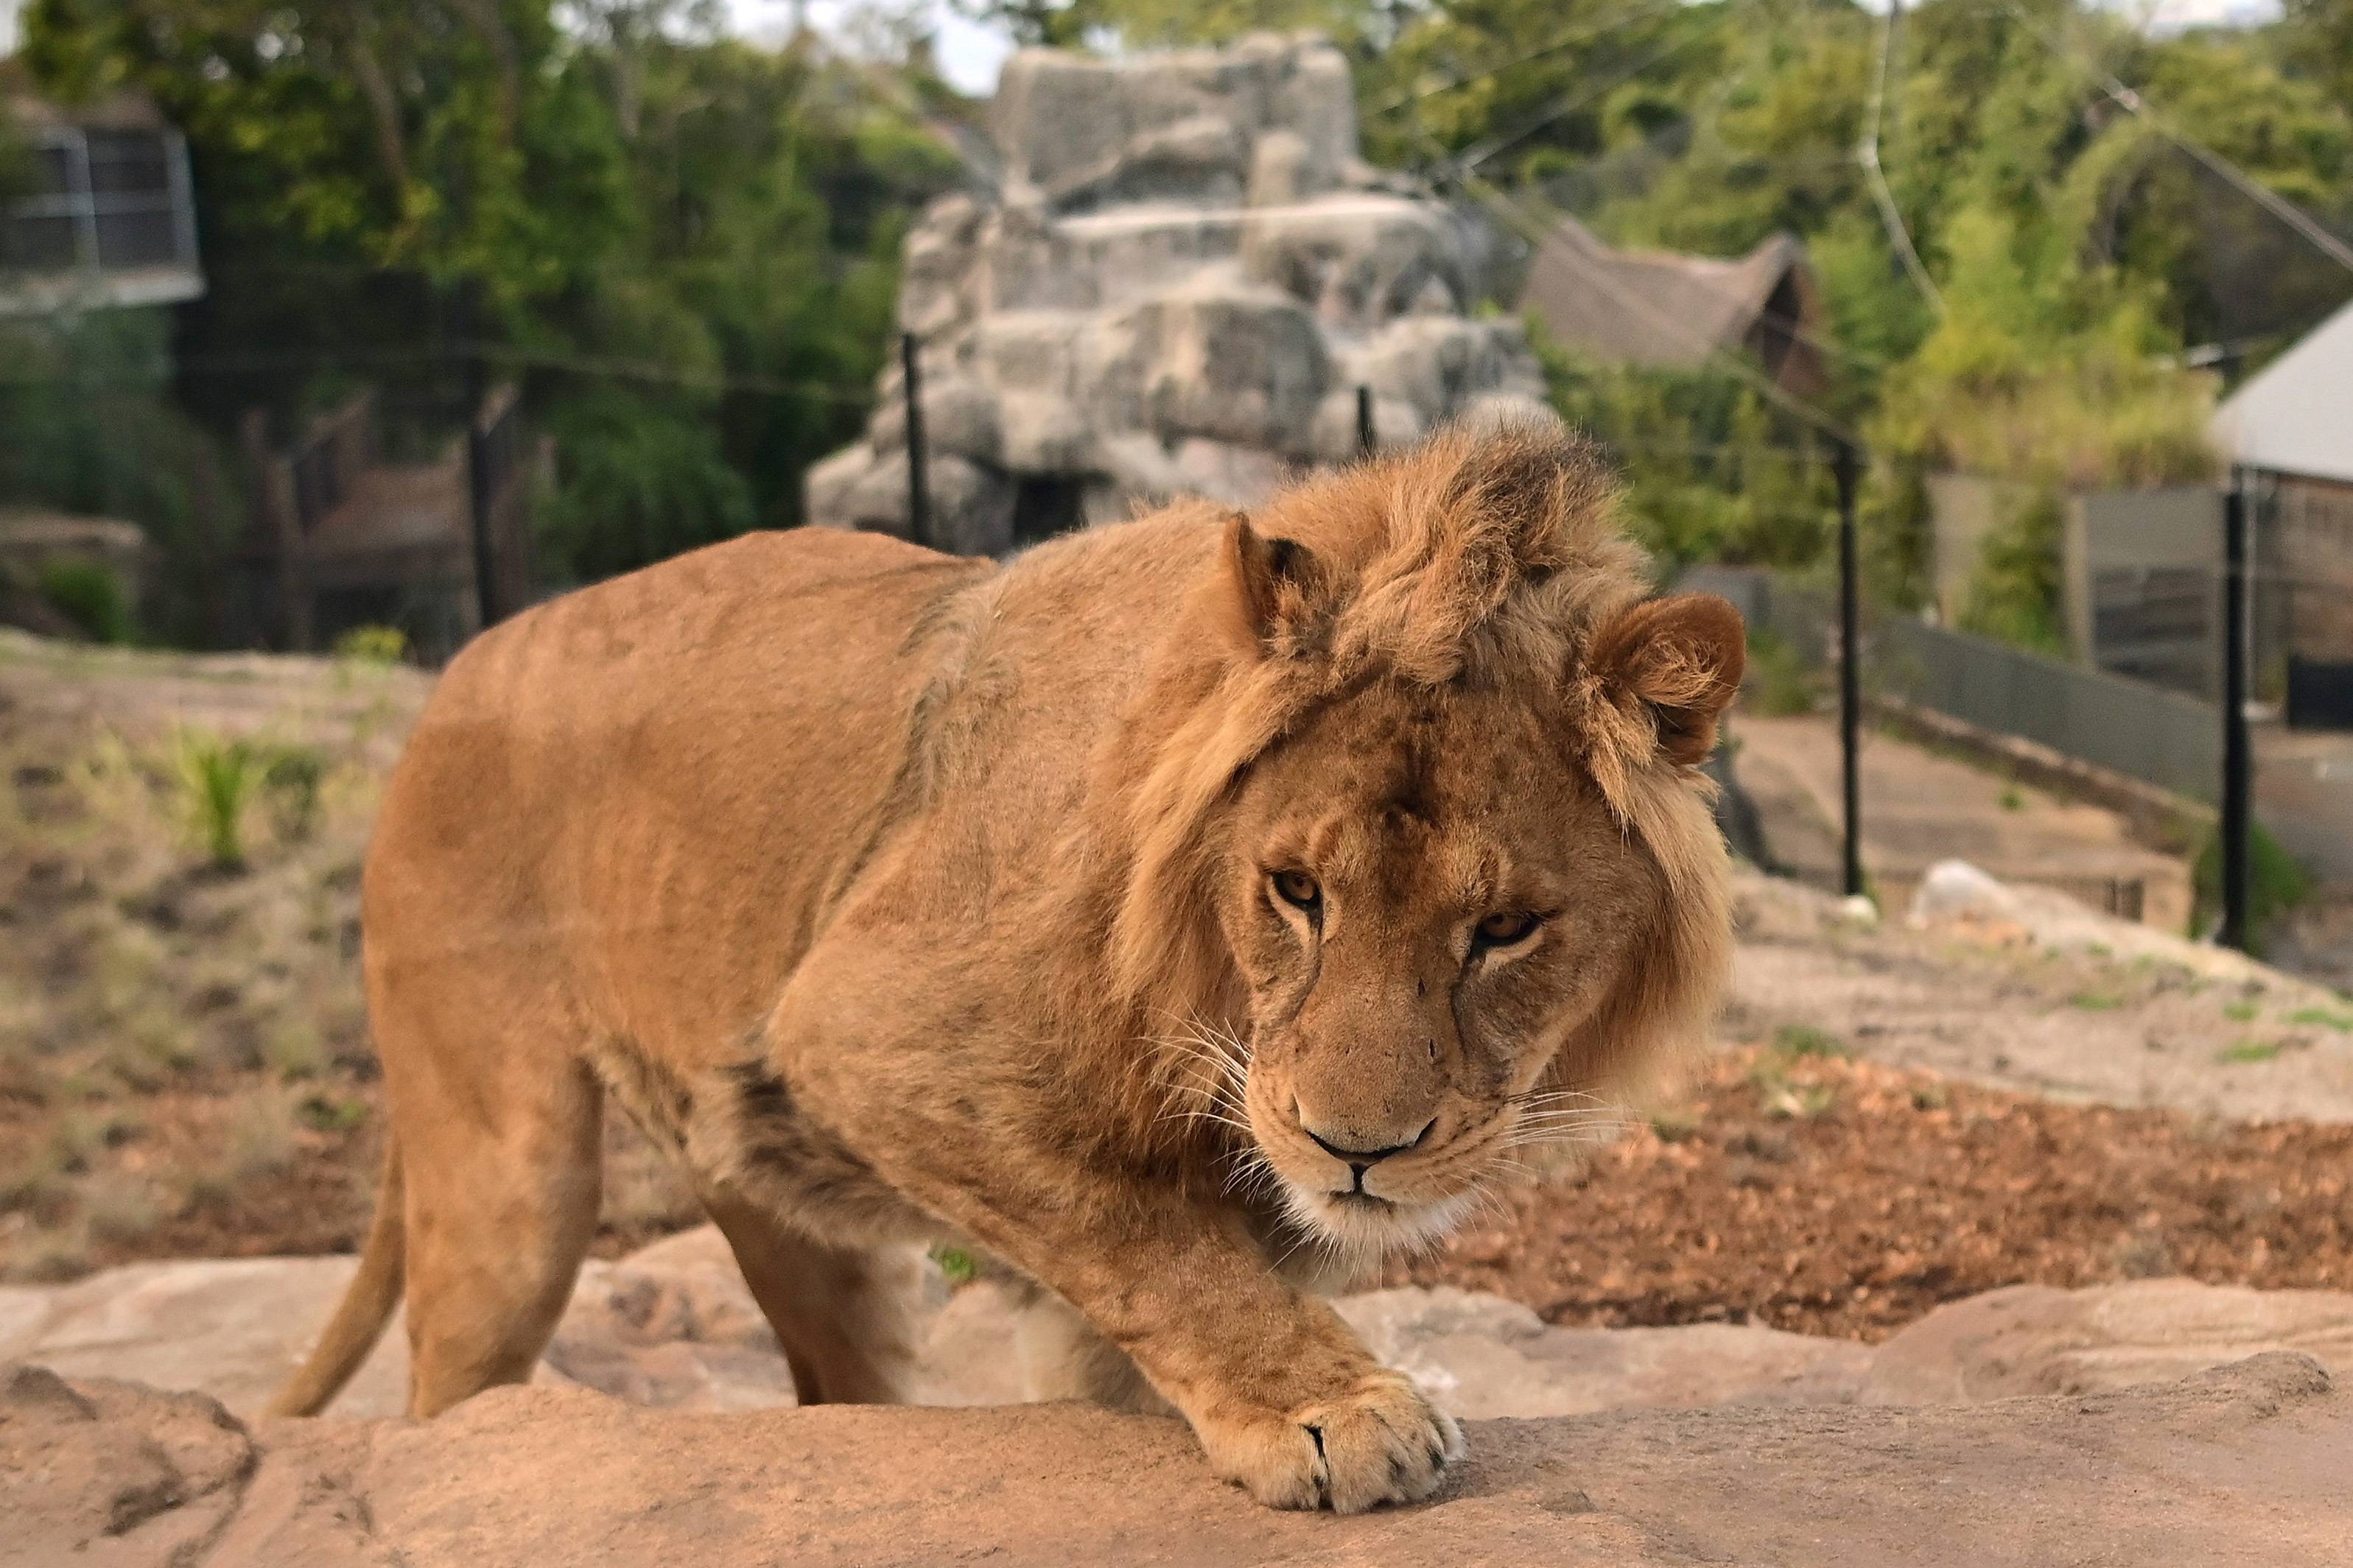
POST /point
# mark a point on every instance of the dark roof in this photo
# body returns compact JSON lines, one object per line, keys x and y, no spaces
{"x":119,"y":110}
{"x":1653,"y":306}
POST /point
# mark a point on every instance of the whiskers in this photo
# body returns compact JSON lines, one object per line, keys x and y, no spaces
{"x":1559,"y":1118}
{"x":1207,"y":1071}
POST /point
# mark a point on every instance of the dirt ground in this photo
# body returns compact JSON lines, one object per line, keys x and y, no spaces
{"x":1833,"y":1197}
{"x":184,"y":1064}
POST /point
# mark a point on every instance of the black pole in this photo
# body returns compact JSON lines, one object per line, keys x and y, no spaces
{"x":475,"y":380}
{"x":919,"y":489}
{"x":2237,"y":772}
{"x":1363,"y":422}
{"x":1847,"y":467}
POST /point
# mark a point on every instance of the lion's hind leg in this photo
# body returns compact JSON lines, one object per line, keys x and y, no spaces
{"x":502,"y":1203}
{"x":847,"y":1317}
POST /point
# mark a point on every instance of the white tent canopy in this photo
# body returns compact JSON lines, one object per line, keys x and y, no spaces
{"x":2295,"y":417}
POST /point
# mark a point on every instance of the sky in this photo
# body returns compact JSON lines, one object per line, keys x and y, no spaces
{"x":970,"y":55}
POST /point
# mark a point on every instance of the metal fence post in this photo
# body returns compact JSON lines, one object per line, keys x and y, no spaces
{"x":2237,"y":770}
{"x":474,"y":379}
{"x":1364,"y":442}
{"x":919,"y":489}
{"x":1846,"y":466}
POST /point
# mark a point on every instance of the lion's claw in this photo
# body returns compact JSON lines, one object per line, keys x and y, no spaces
{"x":1383,"y":1441}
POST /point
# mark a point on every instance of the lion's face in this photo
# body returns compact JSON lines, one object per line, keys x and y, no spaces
{"x":1424,"y":898}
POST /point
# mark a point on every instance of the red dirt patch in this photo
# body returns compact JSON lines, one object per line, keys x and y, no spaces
{"x":1899,"y":1191}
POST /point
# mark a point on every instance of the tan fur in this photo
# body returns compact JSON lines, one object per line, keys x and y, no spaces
{"x":910,"y":899}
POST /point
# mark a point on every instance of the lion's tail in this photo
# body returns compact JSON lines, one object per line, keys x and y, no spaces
{"x":367,"y":1306}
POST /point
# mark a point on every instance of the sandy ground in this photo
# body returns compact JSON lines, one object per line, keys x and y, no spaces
{"x":1920,"y":806}
{"x":2074,"y":1027}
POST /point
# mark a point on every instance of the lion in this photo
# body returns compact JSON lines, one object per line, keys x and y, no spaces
{"x":1185,"y":913}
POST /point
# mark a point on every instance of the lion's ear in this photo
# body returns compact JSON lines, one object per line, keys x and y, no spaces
{"x":1677,"y":659}
{"x":1272,"y":588}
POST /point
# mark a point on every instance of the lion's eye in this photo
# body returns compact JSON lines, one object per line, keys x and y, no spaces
{"x":1503,"y":930}
{"x":1298,"y":890}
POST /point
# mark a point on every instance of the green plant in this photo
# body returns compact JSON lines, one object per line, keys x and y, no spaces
{"x":2248,"y":1051}
{"x":1805,"y":1040}
{"x":216,"y":779}
{"x":2096,"y":1001}
{"x":379,"y":647}
{"x":331,"y":1112}
{"x":2012,"y":798}
{"x":292,"y":1050}
{"x":119,"y":1205}
{"x":2324,"y":1018}
{"x":290,"y":780}
{"x":89,"y":595}
{"x":1673,"y":1124}
{"x":2014,"y":593}
{"x":1778,"y":681}
{"x":956,"y":1264}
{"x":2276,"y":883}
{"x":2241,"y":1012}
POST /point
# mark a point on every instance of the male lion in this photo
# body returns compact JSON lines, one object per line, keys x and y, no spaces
{"x":1182,"y":911}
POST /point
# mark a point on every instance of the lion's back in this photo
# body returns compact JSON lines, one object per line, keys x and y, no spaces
{"x":688,"y":749}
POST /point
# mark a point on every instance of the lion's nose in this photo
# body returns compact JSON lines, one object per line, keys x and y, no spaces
{"x":1361,"y":1160}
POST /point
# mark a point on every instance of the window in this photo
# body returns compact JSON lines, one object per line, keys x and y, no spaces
{"x":105,"y":202}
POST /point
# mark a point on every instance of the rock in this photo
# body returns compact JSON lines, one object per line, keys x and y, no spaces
{"x":1241,"y":365}
{"x":1856,"y":910}
{"x":102,"y":1473}
{"x":2032,"y":1339}
{"x":1185,"y":273}
{"x":1482,"y":1356}
{"x":1956,"y":893}
{"x":233,"y":1329}
{"x":959,"y":417}
{"x":2245,"y":1465}
{"x":672,"y":1326}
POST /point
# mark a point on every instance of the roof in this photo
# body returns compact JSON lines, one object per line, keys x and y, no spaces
{"x":1651,"y":307}
{"x":2295,"y":414}
{"x":123,"y":109}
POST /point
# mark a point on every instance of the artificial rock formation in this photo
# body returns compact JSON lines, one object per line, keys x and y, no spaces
{"x":1184,"y":276}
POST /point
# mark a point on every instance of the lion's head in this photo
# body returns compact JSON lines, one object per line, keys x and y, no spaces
{"x":1419,"y":851}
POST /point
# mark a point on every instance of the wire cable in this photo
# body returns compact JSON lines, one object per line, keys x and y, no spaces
{"x":2133,"y":103}
{"x":1867,"y":153}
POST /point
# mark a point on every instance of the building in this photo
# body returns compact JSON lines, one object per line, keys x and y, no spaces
{"x":1660,"y":310}
{"x":109,"y":217}
{"x":2292,"y":424}
{"x":343,"y":535}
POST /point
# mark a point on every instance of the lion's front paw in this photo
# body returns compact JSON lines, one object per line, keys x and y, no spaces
{"x":1383,"y":1441}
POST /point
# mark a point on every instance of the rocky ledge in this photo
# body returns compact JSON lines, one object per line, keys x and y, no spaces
{"x":2156,"y":1421}
{"x":2246,"y":1464}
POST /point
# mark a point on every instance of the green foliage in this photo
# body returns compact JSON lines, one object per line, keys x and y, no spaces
{"x":377,"y":646}
{"x":2014,"y":593}
{"x":1805,"y":1040}
{"x":91,"y":596}
{"x":290,"y":780}
{"x":2276,"y":883}
{"x":215,"y":778}
{"x":638,"y":482}
{"x":644,"y":216}
{"x":1709,"y":470}
{"x":87,"y":425}
{"x":1779,"y":682}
